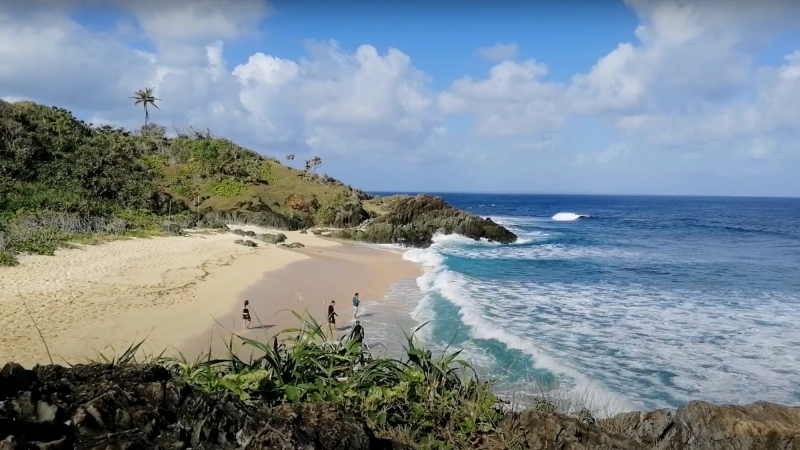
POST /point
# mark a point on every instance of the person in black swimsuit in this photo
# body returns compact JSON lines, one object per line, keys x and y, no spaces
{"x":332,"y":315}
{"x":246,"y":314}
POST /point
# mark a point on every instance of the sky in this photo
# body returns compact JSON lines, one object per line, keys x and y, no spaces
{"x":666,"y":97}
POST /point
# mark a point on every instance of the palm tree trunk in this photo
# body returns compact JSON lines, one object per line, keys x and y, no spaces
{"x":146,"y":116}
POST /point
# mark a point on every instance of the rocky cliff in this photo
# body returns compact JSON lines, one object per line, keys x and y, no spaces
{"x":144,"y":407}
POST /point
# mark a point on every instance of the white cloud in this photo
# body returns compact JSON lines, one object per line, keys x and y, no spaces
{"x":690,"y":81}
{"x":331,"y":101}
{"x":511,"y":101}
{"x":613,"y":153}
{"x":194,"y":20}
{"x":498,"y":52}
{"x":50,"y":58}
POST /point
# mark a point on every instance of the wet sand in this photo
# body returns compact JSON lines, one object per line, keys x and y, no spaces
{"x":307,"y":287}
{"x":174,"y":290}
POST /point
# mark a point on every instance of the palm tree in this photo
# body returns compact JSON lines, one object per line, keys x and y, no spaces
{"x":145,"y":97}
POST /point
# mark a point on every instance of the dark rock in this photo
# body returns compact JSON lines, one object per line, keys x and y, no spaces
{"x":303,"y":231}
{"x":316,"y":232}
{"x":544,"y":431}
{"x":142,"y":407}
{"x":171,"y":228}
{"x":238,"y":232}
{"x":413,"y":221}
{"x":294,"y":245}
{"x":264,"y":217}
{"x":246,"y":243}
{"x":270,"y":238}
{"x":212,"y":223}
{"x":250,"y":233}
{"x":351,"y":214}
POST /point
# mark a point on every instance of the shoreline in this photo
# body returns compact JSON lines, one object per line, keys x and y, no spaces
{"x":307,"y":286}
{"x":170,"y":290}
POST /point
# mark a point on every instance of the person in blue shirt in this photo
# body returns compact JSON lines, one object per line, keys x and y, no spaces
{"x":356,"y":302}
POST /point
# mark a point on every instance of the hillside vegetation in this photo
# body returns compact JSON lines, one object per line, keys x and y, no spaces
{"x":63,"y":180}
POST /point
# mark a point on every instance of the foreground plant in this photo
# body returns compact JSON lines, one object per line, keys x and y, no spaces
{"x":417,"y":397}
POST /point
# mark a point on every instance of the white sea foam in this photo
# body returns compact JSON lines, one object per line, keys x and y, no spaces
{"x":659,"y":347}
{"x":437,"y":279}
{"x":568,"y":217}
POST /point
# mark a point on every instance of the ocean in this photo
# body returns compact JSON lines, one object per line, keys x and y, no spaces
{"x":633,"y":302}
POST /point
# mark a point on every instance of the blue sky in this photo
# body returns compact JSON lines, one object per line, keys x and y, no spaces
{"x":635,"y":97}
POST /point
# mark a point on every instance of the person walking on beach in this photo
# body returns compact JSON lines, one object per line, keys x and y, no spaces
{"x":357,"y":334}
{"x":246,"y":314}
{"x":356,"y":302}
{"x":332,"y":315}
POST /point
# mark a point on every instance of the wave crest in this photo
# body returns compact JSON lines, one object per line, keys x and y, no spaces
{"x":568,"y":217}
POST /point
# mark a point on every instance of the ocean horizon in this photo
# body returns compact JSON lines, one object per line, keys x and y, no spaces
{"x":639,"y":302}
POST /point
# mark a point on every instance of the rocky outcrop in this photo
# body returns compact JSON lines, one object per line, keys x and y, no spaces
{"x":703,"y":426}
{"x":246,"y":243}
{"x":258,"y":214}
{"x":292,"y":245}
{"x":351,"y":214}
{"x":143,"y":407}
{"x":413,"y":221}
{"x":545,"y":431}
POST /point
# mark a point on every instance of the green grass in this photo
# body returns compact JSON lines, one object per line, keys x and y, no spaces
{"x":7,"y":259}
{"x":284,"y":182}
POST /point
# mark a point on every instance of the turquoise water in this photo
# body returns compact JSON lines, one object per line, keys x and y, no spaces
{"x":643,"y":301}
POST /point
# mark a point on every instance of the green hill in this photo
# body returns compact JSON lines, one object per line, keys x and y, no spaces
{"x":63,"y":180}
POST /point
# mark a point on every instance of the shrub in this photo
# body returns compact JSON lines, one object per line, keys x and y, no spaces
{"x":228,"y":188}
{"x":440,"y":398}
{"x":7,"y":259}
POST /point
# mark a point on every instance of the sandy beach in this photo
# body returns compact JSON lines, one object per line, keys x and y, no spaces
{"x":178,"y":292}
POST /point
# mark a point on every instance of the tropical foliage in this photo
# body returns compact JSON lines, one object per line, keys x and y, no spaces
{"x":418,"y":398}
{"x":53,"y":165}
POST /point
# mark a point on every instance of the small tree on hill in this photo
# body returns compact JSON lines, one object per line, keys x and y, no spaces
{"x":145,"y":97}
{"x":312,"y":164}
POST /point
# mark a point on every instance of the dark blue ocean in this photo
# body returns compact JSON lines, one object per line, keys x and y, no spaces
{"x":645,"y":302}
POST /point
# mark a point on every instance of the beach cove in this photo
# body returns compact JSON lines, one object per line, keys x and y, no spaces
{"x":181,"y":293}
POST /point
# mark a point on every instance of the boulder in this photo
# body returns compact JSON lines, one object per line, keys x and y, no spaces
{"x":303,"y":231}
{"x":270,"y":238}
{"x":293,"y":245}
{"x":238,"y":231}
{"x":143,"y":407}
{"x":246,"y":243}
